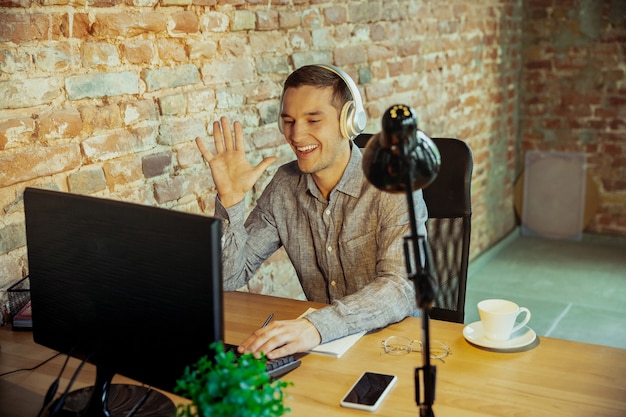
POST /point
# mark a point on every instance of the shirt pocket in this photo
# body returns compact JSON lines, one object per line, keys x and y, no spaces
{"x":358,"y":259}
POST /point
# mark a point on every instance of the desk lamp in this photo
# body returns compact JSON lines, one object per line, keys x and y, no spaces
{"x":403,"y":159}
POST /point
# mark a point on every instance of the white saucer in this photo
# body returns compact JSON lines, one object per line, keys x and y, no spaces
{"x":473,"y":333}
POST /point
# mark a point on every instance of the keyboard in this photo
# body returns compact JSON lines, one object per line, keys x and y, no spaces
{"x":275,"y":367}
{"x":279,"y":367}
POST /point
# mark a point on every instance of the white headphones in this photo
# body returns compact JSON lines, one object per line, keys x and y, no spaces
{"x":353,"y":118}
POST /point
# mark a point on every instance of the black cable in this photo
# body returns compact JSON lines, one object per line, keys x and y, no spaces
{"x":54,"y":386}
{"x":30,"y":369}
{"x":52,"y":390}
{"x":61,"y":401}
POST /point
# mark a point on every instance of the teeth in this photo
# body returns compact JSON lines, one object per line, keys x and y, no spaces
{"x":306,"y":148}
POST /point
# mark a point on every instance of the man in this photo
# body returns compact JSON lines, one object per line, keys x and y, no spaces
{"x":343,"y":236}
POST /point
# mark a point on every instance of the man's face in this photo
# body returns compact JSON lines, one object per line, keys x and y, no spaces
{"x":311,"y":126}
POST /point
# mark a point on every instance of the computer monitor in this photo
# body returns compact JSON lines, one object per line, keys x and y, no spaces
{"x":133,"y":289}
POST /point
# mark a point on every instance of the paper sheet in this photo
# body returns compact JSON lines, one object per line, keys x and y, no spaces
{"x":335,"y":348}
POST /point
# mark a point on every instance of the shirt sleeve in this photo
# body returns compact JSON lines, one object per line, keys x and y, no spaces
{"x":243,"y":251}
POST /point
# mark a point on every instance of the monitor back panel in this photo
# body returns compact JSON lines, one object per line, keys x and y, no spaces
{"x":140,"y":286}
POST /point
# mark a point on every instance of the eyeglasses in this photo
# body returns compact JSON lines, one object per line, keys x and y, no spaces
{"x":400,"y":345}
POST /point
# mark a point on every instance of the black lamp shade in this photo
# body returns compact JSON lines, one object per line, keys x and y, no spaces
{"x":400,"y":153}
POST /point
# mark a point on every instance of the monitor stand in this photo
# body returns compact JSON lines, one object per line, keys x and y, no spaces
{"x":104,"y":399}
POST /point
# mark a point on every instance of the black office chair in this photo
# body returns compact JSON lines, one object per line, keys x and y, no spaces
{"x":448,"y":199}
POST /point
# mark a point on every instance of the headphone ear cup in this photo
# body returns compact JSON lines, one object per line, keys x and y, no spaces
{"x":346,"y":120}
{"x":281,"y":125}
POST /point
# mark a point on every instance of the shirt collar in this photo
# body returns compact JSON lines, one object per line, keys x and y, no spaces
{"x":352,"y":178}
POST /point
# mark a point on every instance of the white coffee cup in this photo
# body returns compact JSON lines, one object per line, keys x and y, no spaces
{"x":499,"y":318}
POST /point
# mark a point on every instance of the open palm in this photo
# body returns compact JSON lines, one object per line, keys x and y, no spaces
{"x":232,"y":173}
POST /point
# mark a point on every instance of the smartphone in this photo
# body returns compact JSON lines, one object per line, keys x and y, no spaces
{"x":369,"y":391}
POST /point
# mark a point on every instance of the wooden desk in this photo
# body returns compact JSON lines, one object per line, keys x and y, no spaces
{"x":557,"y":378}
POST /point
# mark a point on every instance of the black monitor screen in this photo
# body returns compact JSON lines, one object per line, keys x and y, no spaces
{"x":135,"y":289}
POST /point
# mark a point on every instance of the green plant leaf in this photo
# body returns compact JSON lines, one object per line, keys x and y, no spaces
{"x":230,"y":385}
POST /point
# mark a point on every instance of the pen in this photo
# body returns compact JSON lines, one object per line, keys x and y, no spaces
{"x":268,"y":319}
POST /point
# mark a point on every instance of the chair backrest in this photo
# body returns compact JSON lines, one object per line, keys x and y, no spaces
{"x":448,"y":199}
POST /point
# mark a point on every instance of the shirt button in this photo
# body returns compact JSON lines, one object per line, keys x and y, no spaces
{"x":333,"y":283}
{"x":328,"y":212}
{"x":330,"y":249}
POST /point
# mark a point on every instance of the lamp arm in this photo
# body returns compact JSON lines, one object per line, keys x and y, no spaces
{"x":426,"y":288}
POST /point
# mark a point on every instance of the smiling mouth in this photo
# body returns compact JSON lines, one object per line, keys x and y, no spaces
{"x":306,"y":148}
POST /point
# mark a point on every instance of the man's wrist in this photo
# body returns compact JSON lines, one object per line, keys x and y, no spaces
{"x":230,"y":200}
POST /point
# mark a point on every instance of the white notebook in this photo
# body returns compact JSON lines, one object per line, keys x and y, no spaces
{"x":335,"y":348}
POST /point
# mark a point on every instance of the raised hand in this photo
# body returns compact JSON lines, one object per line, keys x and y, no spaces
{"x":233,"y":175}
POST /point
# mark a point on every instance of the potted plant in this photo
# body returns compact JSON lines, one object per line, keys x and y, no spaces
{"x":230,"y":385}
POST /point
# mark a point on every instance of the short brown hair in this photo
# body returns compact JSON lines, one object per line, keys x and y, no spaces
{"x":321,"y":77}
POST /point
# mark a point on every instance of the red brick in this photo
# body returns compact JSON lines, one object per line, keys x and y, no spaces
{"x":188,"y":155}
{"x":267,"y":41}
{"x":156,"y":164}
{"x":185,"y":22}
{"x":268,"y":20}
{"x":380,"y":52}
{"x":120,"y":172}
{"x":300,"y":39}
{"x":172,"y":50}
{"x":311,"y":18}
{"x":169,"y":189}
{"x":137,"y":51}
{"x":539,"y":65}
{"x":378,"y":33}
{"x":234,"y":45}
{"x":409,"y":48}
{"x":129,"y":24}
{"x":58,"y":124}
{"x":19,"y":28}
{"x":86,"y":181}
{"x":335,"y":15}
{"x":293,"y":19}
{"x":100,"y":118}
{"x":16,"y":131}
{"x":138,"y":111}
{"x":617,"y":101}
{"x":33,"y":162}
{"x":79,"y":27}
{"x":349,"y":55}
{"x":114,"y":144}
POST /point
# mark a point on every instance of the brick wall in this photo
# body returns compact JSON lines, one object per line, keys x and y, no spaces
{"x":105,"y":97}
{"x":574,"y":96}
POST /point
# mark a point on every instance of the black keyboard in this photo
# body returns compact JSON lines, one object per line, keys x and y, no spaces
{"x":279,"y":367}
{"x":275,"y":367}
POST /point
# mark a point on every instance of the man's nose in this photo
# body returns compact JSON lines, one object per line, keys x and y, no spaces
{"x":298,"y":130}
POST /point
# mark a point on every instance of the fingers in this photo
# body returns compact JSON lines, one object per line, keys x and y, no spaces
{"x":223,"y":135}
{"x":262,"y":340}
{"x":282,"y":338}
{"x":217,"y":137}
{"x":206,"y":154}
{"x":228,"y":135}
{"x":265,"y":163}
{"x":238,"y":135}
